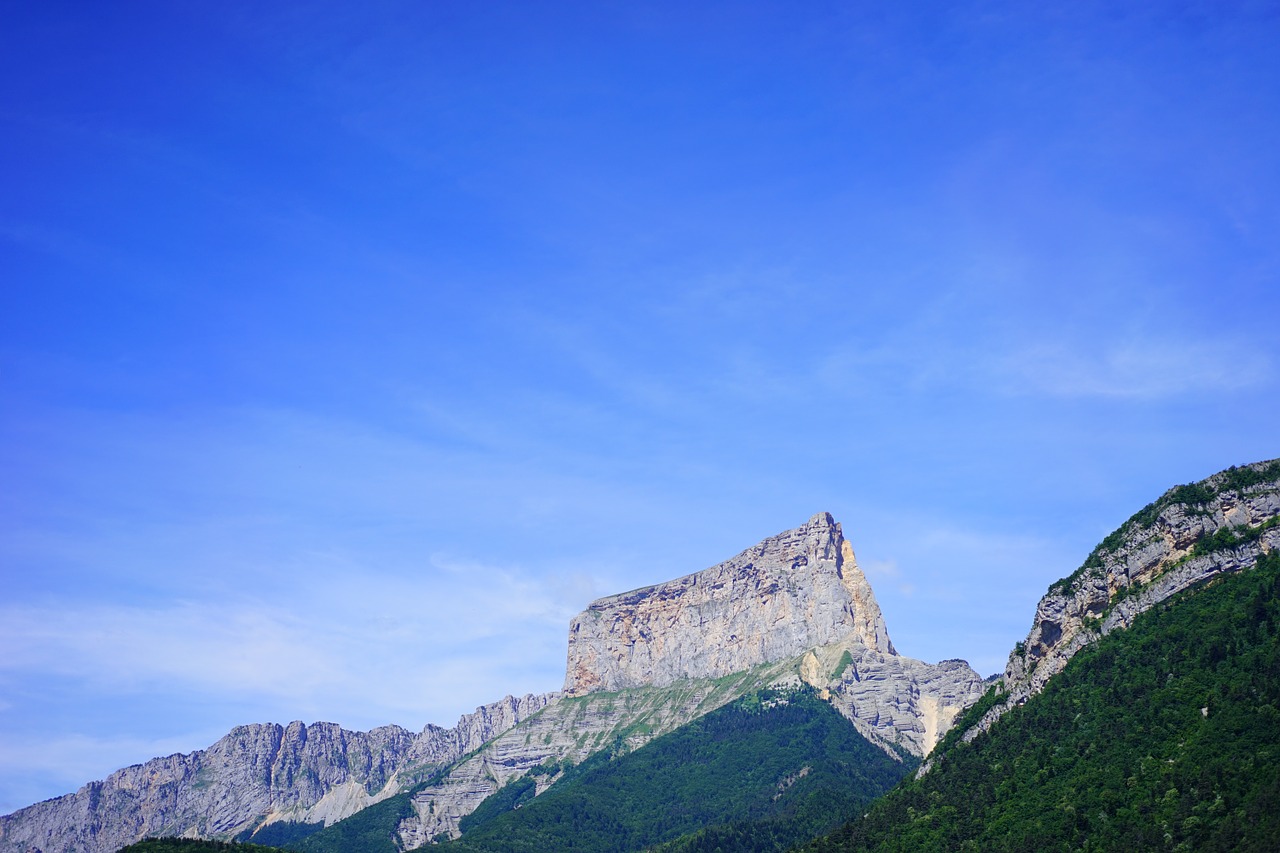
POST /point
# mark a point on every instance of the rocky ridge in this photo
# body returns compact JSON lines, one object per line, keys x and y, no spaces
{"x":790,"y":593}
{"x":1189,"y":535}
{"x":254,"y":775}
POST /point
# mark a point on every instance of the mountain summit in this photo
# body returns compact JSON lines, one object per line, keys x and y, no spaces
{"x":790,"y":593}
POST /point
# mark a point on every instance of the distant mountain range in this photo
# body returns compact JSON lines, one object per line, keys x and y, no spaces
{"x":696,"y":695}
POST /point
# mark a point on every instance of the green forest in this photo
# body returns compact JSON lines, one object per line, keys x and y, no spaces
{"x":191,"y":845}
{"x":1162,"y":737}
{"x":785,"y":761}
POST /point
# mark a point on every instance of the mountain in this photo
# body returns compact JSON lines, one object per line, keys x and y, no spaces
{"x":794,"y":609}
{"x":788,"y":594}
{"x":256,"y":774}
{"x":782,"y":760}
{"x":1141,"y":712}
{"x":1190,"y":534}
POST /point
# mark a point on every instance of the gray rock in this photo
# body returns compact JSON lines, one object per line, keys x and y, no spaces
{"x":1145,"y":564}
{"x":257,"y":774}
{"x":792,"y":592}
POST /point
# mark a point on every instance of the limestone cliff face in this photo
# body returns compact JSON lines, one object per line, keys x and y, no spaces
{"x":255,"y":775}
{"x":792,"y":592}
{"x":1189,"y":535}
{"x":893,"y":700}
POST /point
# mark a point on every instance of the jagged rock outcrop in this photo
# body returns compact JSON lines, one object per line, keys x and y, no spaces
{"x":255,"y":775}
{"x":894,"y":701}
{"x":792,"y":592}
{"x":1186,"y":537}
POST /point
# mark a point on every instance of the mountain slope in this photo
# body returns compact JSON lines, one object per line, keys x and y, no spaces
{"x":1221,"y":524}
{"x":257,"y":774}
{"x":1165,"y":736}
{"x":1156,"y":720}
{"x":784,"y":755}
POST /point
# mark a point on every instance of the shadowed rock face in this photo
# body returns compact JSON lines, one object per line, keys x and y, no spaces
{"x":790,"y":593}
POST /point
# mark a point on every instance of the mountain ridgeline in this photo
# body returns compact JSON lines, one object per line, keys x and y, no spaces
{"x":1165,"y":736}
{"x":760,"y":702}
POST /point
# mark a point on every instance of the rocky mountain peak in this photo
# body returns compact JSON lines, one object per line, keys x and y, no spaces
{"x":791,"y":592}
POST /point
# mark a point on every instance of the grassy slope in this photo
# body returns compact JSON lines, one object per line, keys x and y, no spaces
{"x":1117,"y":753}
{"x":745,"y":761}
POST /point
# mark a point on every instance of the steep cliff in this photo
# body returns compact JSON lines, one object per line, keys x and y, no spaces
{"x":790,"y":593}
{"x":255,"y":775}
{"x":1188,"y":536}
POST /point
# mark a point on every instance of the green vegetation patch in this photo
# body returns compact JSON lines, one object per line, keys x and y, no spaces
{"x":779,"y":766}
{"x":1192,"y":495}
{"x":1164,"y":736}
{"x":1225,"y":538}
{"x":281,"y":833}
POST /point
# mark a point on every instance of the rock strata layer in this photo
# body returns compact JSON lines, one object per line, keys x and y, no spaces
{"x":795,"y":591}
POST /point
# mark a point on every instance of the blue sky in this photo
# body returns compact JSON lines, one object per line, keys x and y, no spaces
{"x":347,"y":350}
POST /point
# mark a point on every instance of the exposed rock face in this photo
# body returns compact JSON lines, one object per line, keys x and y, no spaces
{"x":1192,"y":533}
{"x":792,"y":592}
{"x":891,"y":699}
{"x":256,"y":774}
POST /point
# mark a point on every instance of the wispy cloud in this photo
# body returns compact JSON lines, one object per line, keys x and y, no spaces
{"x":34,"y":766}
{"x":1140,"y":369}
{"x":362,"y":648}
{"x":882,"y":573}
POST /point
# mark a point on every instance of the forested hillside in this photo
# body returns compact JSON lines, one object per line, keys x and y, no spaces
{"x":785,"y":760}
{"x":1164,"y":736}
